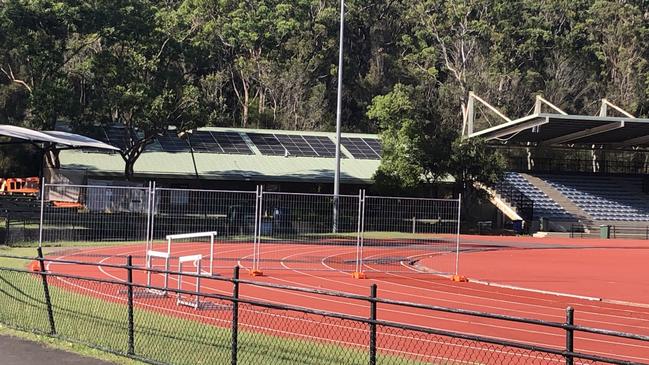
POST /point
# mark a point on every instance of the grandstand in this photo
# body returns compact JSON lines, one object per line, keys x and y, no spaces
{"x":579,"y":173}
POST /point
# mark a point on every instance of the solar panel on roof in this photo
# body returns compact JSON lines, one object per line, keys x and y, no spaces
{"x":322,"y":145}
{"x":375,"y":144}
{"x":171,"y":143}
{"x":267,"y":144}
{"x":203,"y":141}
{"x":117,"y":136}
{"x":296,"y":145}
{"x":232,"y":143}
{"x":97,"y":133}
{"x":359,"y":149}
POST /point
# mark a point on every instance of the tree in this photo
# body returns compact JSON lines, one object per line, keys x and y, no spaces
{"x":415,"y":147}
{"x":472,"y":161}
{"x":137,"y":75}
{"x":34,"y":50}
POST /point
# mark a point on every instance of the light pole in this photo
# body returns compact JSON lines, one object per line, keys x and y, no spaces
{"x":338,"y":116}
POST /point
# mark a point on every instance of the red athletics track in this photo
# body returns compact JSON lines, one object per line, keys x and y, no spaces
{"x":422,"y":288}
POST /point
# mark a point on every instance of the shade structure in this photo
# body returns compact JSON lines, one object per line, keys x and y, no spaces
{"x":65,"y":139}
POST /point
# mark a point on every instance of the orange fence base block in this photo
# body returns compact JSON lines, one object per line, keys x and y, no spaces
{"x":359,"y":275}
{"x":35,"y":266}
{"x":459,"y":278}
{"x":256,"y":273}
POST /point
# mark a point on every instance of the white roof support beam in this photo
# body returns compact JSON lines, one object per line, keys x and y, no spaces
{"x":585,"y":133}
{"x":519,"y":125}
{"x":603,"y":110}
{"x":469,"y":114}
{"x":540,"y":100}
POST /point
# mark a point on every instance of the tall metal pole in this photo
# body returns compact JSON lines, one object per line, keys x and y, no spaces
{"x":338,"y":116}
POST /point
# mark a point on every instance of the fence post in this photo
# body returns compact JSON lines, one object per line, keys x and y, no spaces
{"x":373,"y":325}
{"x":42,"y":212}
{"x":570,"y":319}
{"x":457,"y":235}
{"x":129,"y":279}
{"x":46,"y":290}
{"x":235,"y":315}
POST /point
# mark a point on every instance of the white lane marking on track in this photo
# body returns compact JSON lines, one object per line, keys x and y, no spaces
{"x":300,"y":273}
{"x":580,"y":303}
{"x":581,"y":338}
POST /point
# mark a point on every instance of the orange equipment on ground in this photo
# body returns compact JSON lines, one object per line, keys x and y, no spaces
{"x":19,"y":186}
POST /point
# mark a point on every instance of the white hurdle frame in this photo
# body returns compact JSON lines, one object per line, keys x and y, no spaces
{"x":196,"y":259}
{"x":210,"y":234}
{"x":150,"y":254}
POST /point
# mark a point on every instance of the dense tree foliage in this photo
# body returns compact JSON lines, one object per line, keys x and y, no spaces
{"x":409,"y":66}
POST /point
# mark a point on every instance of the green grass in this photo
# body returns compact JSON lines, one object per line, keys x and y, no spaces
{"x":159,"y":337}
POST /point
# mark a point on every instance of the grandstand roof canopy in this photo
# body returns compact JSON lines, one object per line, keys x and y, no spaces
{"x":68,"y":140}
{"x":562,"y":129}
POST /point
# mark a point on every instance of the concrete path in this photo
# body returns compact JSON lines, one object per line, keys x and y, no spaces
{"x":16,"y":351}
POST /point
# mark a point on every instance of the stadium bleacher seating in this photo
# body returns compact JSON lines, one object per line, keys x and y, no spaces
{"x":604,"y":198}
{"x":544,"y":207}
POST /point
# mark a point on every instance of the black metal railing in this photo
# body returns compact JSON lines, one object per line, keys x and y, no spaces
{"x":572,"y":165}
{"x":524,"y":206}
{"x":614,"y":231}
{"x":129,"y":318}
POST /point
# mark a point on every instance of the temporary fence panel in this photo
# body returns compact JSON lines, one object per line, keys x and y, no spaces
{"x":231,"y":214}
{"x":91,"y":213}
{"x":296,"y":232}
{"x":413,"y":235}
{"x":260,"y":230}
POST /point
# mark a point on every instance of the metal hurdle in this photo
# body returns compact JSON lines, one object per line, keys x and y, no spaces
{"x":150,"y":255}
{"x":210,"y":234}
{"x":196,"y":259}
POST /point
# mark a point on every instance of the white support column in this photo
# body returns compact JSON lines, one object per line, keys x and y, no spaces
{"x":603,"y":109}
{"x":540,"y":100}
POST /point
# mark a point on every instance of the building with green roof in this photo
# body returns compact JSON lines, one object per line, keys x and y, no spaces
{"x":231,"y":158}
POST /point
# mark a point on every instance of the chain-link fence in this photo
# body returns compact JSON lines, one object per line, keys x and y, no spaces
{"x":262,"y":230}
{"x":124,"y":316}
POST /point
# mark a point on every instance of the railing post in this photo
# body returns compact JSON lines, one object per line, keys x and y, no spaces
{"x":46,"y":290}
{"x":235,"y":315}
{"x":373,"y":324}
{"x":131,"y":332}
{"x":570,"y":319}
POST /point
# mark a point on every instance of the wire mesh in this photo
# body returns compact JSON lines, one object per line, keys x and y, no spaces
{"x":272,"y":336}
{"x":230,"y":213}
{"x":410,"y":235}
{"x":166,"y":332}
{"x":22,"y":301}
{"x":96,"y":312}
{"x":88,"y":214}
{"x":297,"y":232}
{"x":402,"y":346}
{"x":90,"y":312}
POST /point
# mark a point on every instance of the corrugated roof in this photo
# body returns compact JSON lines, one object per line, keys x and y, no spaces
{"x":256,"y":167}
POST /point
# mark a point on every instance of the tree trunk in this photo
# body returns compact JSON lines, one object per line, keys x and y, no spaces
{"x":129,"y":164}
{"x":246,"y":100}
